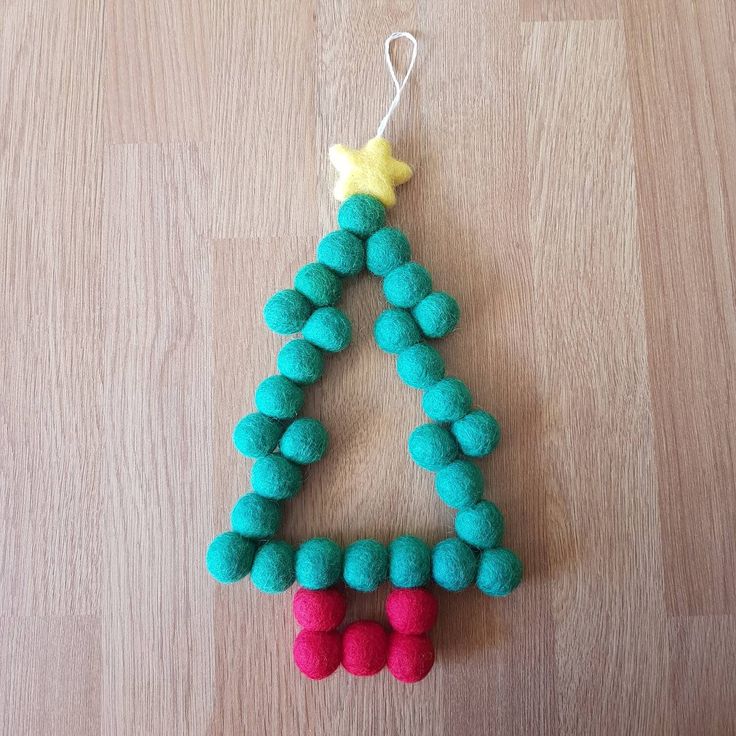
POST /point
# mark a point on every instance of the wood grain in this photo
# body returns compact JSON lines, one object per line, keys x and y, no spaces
{"x":163,"y":171}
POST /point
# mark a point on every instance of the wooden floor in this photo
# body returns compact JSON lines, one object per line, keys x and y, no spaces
{"x":164,"y":170}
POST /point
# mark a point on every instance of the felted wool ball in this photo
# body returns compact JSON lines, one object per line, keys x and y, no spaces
{"x":255,"y":517}
{"x":480,"y":526}
{"x":304,"y":441}
{"x":410,"y":658}
{"x":454,"y":564}
{"x":432,"y":447}
{"x":437,"y":314}
{"x":411,"y":610}
{"x":361,"y":214}
{"x":364,"y":648}
{"x":319,"y":610}
{"x":499,"y":572}
{"x":343,"y":252}
{"x":365,"y":565}
{"x":273,"y":476}
{"x":229,"y":557}
{"x":410,"y":562}
{"x":395,"y":330}
{"x":407,"y":285}
{"x":329,"y":328}
{"x":420,"y":366}
{"x":286,"y":312}
{"x":317,"y":653}
{"x":447,"y":401}
{"x":477,"y":433}
{"x":273,"y":567}
{"x":386,"y":250}
{"x":459,"y":484}
{"x":300,"y":361}
{"x":319,"y":284}
{"x":278,"y":397}
{"x":256,"y":435}
{"x":318,"y":563}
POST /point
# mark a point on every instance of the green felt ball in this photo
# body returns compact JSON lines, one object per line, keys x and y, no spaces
{"x":410,"y":562}
{"x":480,"y":526}
{"x":300,"y":361}
{"x":318,"y":563}
{"x":365,"y":565}
{"x":273,"y":476}
{"x":477,"y":433}
{"x":229,"y":557}
{"x":286,"y":312}
{"x":273,"y":567}
{"x":319,"y":284}
{"x":256,"y":435}
{"x":329,"y":328}
{"x":343,"y":252}
{"x":278,"y":397}
{"x":255,"y":517}
{"x":304,"y":441}
{"x":499,"y":572}
{"x":447,"y":401}
{"x":460,"y":484}
{"x":407,"y":285}
{"x":437,"y":314}
{"x":454,"y":564}
{"x":385,"y":250}
{"x":361,"y":214}
{"x":395,"y":330}
{"x":432,"y":447}
{"x":420,"y":366}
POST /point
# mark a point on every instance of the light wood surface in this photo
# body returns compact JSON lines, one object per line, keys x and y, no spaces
{"x":164,"y":170}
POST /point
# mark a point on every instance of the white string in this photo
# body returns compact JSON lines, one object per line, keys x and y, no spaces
{"x":398,"y":86}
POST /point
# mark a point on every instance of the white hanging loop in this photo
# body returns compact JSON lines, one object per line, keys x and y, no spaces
{"x":398,"y":86}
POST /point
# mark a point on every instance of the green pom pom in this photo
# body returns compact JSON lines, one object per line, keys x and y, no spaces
{"x":318,"y":563}
{"x":365,"y":565}
{"x":420,"y":366}
{"x":460,"y":484}
{"x":343,"y":252}
{"x":432,"y":447}
{"x":361,"y":214}
{"x":278,"y":397}
{"x":319,"y":284}
{"x":286,"y":312}
{"x":410,"y":562}
{"x":273,"y":567}
{"x":447,"y":401}
{"x":386,"y":250}
{"x":499,"y":572}
{"x":229,"y":557}
{"x":256,"y":435}
{"x":273,"y":476}
{"x":407,"y":285}
{"x":304,"y":441}
{"x":437,"y":314}
{"x":454,"y":564}
{"x":395,"y":331}
{"x":329,"y":328}
{"x":477,"y":433}
{"x":255,"y":517}
{"x":480,"y":526}
{"x":300,"y":361}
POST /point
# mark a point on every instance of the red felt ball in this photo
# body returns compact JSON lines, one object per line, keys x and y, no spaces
{"x":411,"y":610}
{"x":410,"y":658}
{"x":364,"y":648}
{"x":317,"y":653}
{"x":319,"y":610}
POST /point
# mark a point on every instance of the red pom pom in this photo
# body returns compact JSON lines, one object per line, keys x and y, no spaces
{"x":319,"y":610}
{"x":411,"y":610}
{"x":410,"y":658}
{"x":317,"y":653}
{"x":364,"y":648}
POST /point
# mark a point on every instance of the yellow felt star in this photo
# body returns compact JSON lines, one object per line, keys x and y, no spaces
{"x":368,"y":170}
